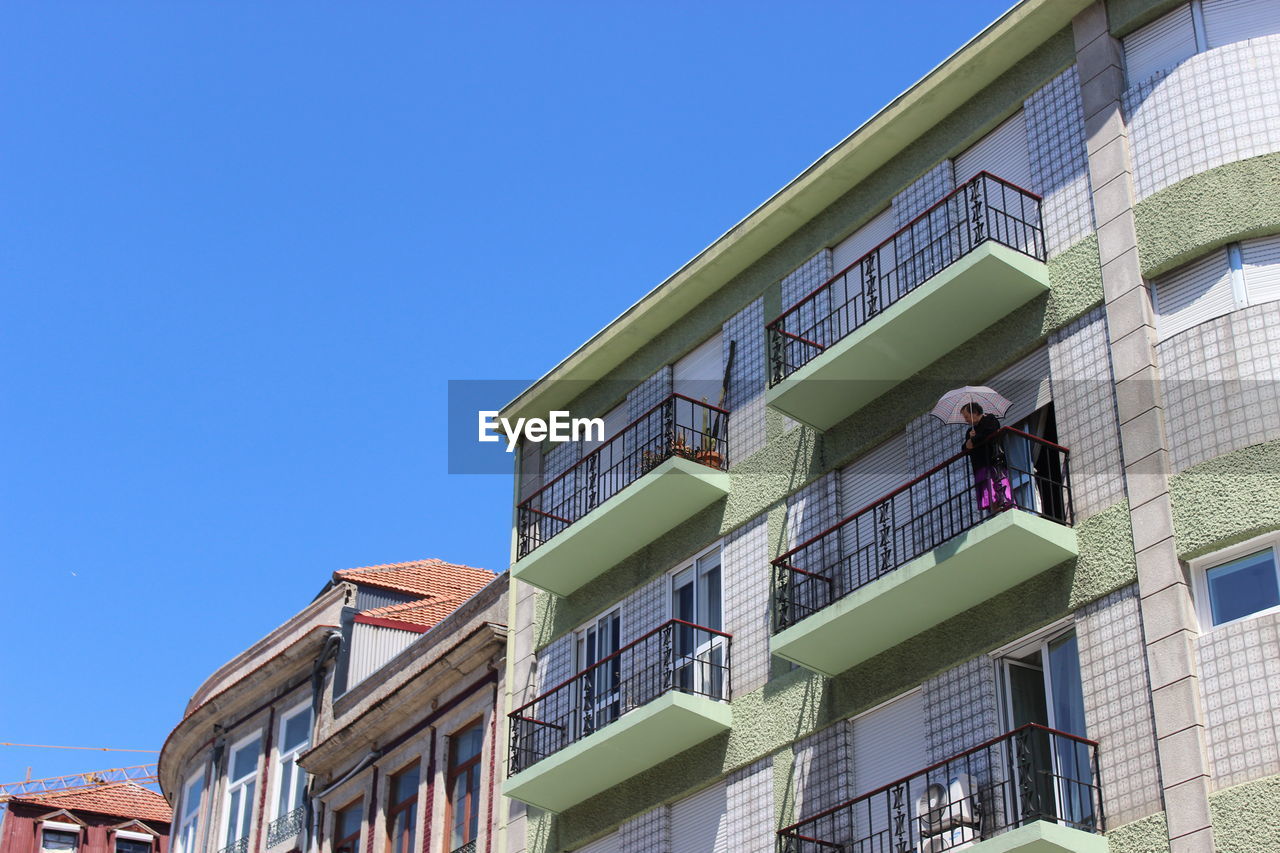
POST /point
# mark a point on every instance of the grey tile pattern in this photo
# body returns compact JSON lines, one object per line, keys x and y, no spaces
{"x":1221,"y":381}
{"x":812,"y":509}
{"x":822,"y":769}
{"x":1216,"y":107}
{"x":649,"y":393}
{"x":747,"y":381}
{"x":1059,"y":160}
{"x":746,"y":589}
{"x":1085,"y":411}
{"x":645,"y":609}
{"x":555,"y":663}
{"x":1240,"y":680}
{"x":1118,"y":714}
{"x":751,"y":810}
{"x":807,"y":278}
{"x":560,"y":457}
{"x":921,"y":195}
{"x":961,"y":708}
{"x":647,"y":833}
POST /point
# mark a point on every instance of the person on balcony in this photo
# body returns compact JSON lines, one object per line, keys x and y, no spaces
{"x":986,"y":456}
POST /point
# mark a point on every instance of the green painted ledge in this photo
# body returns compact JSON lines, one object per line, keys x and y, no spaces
{"x":1043,"y":837}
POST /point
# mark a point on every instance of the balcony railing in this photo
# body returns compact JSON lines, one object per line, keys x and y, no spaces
{"x":677,"y":656}
{"x":1031,"y":773}
{"x":287,"y":826}
{"x":679,"y":426}
{"x":240,"y":845}
{"x":915,"y":518}
{"x":985,"y":208}
{"x":469,"y":847}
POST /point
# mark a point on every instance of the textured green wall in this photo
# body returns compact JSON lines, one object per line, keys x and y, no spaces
{"x":1226,"y":499}
{"x":1234,"y":201}
{"x":1148,"y":835}
{"x":1246,"y":818}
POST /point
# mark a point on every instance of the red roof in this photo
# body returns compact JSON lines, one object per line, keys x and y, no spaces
{"x":119,"y":799}
{"x":411,"y":615}
{"x":434,"y":579}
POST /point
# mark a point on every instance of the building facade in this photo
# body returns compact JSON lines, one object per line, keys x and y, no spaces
{"x":238,"y":768}
{"x":114,"y":817}
{"x":781,"y":607}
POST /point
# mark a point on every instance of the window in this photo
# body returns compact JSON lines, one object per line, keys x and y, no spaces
{"x":464,"y":785}
{"x":242,"y":774}
{"x":189,"y":816}
{"x":402,"y":812}
{"x":132,"y":845}
{"x":596,"y":644}
{"x":1239,"y":581}
{"x":295,"y":736}
{"x":695,"y":598}
{"x":1194,"y":28}
{"x":346,"y":829}
{"x":59,"y":839}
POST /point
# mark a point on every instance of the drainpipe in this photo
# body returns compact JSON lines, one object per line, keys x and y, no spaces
{"x":310,"y":818}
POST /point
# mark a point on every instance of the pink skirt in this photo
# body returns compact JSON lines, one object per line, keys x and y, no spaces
{"x":992,"y":486}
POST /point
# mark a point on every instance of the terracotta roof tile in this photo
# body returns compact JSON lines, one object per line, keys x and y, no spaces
{"x":433,"y":578}
{"x":120,"y":799}
{"x":423,"y":614}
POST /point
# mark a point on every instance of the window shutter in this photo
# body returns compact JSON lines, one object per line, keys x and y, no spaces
{"x":880,"y":228}
{"x":611,"y":843}
{"x":1261,"y":260}
{"x":699,"y":824}
{"x":1159,"y":45}
{"x":1025,"y":384}
{"x":701,"y":373}
{"x":1002,"y":152}
{"x":889,"y":743}
{"x":1193,"y":294}
{"x":1229,"y":21}
{"x":873,"y":475}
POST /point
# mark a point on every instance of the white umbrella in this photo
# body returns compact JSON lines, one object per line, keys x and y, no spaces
{"x":948,"y":408}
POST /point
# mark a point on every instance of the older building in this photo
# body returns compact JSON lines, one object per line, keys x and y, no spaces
{"x":116,"y":817}
{"x":235,"y":766}
{"x":781,"y":606}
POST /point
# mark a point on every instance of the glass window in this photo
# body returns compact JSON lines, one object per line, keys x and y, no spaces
{"x":188,"y":821}
{"x":295,"y":737}
{"x":402,"y":811}
{"x":346,"y":829}
{"x":57,"y":839}
{"x":464,"y":785}
{"x":1242,"y":587}
{"x":240,"y":788}
{"x":695,"y":599}
{"x":129,"y":845}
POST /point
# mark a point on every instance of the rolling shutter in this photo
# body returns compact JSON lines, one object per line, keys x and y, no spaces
{"x":699,"y":824}
{"x":1159,"y":45}
{"x":611,"y":843}
{"x":1189,"y":296}
{"x":889,"y":743}
{"x":1261,"y":260}
{"x":701,"y":373}
{"x":874,"y":475}
{"x":1002,"y":152}
{"x":866,"y":238}
{"x":1025,"y":384}
{"x":1229,"y":21}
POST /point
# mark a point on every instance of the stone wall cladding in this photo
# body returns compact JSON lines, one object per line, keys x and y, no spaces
{"x":750,"y":819}
{"x":647,"y":833}
{"x":807,"y":278}
{"x":1239,"y":671}
{"x":1085,"y":412}
{"x":746,"y":381}
{"x":1059,"y":160}
{"x":1214,"y":108}
{"x":1118,"y":713}
{"x":746,"y":591}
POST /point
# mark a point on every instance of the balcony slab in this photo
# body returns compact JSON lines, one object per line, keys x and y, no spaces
{"x":638,"y":514}
{"x":912,"y":333}
{"x":1043,"y":837}
{"x":982,"y":562}
{"x":636,"y":741}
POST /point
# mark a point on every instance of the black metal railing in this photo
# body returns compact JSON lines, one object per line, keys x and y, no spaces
{"x":985,"y":208}
{"x":1031,"y":773}
{"x":469,"y":847}
{"x":240,"y":845}
{"x":287,"y":826}
{"x":917,"y":517}
{"x":677,"y":656}
{"x":678,"y":426}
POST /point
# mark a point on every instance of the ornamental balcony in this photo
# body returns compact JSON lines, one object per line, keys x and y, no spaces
{"x":1033,"y":790}
{"x":285,"y":827}
{"x":960,"y":266}
{"x":647,"y":702}
{"x":925,"y":552}
{"x":655,"y":473}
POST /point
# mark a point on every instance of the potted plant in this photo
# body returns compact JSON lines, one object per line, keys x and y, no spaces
{"x":708,"y":452}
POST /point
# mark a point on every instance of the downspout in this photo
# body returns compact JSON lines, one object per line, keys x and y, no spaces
{"x":311,"y":817}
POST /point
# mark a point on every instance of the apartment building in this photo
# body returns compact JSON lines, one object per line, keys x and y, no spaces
{"x":112,"y":817}
{"x":769,"y":611}
{"x":266,"y":745}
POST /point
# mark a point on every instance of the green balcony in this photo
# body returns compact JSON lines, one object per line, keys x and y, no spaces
{"x":1043,"y":837}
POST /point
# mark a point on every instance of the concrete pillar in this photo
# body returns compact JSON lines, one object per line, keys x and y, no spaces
{"x":1168,"y":616}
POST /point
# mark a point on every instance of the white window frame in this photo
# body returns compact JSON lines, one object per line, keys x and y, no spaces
{"x":706,"y":649}
{"x":234,"y":784}
{"x":1200,"y":578}
{"x":192,"y":818}
{"x":601,"y":701}
{"x":55,"y":826}
{"x":281,"y":756}
{"x":126,"y":835}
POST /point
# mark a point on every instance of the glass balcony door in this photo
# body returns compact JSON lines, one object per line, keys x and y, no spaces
{"x":698,"y":656}
{"x":600,"y":700}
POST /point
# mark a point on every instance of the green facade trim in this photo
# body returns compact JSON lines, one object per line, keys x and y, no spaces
{"x":1226,"y":500}
{"x":1246,"y":818}
{"x":1146,"y":835}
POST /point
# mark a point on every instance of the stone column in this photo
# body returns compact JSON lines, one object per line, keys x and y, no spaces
{"x":1168,"y":615}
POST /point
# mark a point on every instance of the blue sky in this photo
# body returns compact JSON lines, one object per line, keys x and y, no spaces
{"x":246,"y":244}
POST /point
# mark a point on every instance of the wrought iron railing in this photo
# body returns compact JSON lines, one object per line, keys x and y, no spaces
{"x":469,"y":847}
{"x":678,"y":426}
{"x":240,"y":845}
{"x":985,"y":208}
{"x":1031,"y":773}
{"x":917,"y":517}
{"x":677,"y":656}
{"x":287,"y":826}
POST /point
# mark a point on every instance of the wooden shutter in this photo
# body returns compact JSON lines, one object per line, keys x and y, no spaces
{"x":1159,"y":45}
{"x":880,"y":228}
{"x":1229,"y":21}
{"x":1193,"y":294}
{"x":701,"y":373}
{"x":1002,"y":152}
{"x":1261,"y":260}
{"x":699,"y":824}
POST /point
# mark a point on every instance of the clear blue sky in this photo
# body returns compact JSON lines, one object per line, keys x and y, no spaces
{"x":245,"y":244}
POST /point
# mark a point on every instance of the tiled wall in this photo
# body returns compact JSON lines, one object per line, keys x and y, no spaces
{"x":922,"y":194}
{"x":822,"y":770}
{"x":647,"y":833}
{"x":1239,"y":674}
{"x":812,"y":509}
{"x":751,"y":810}
{"x":1059,"y":161}
{"x":1118,"y":713}
{"x":810,"y":275}
{"x":645,"y":609}
{"x":746,"y":380}
{"x":961,"y":708}
{"x":1214,"y":108}
{"x":649,"y":393}
{"x":1085,"y":411}
{"x":746,"y":574}
{"x":1222,"y":384}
